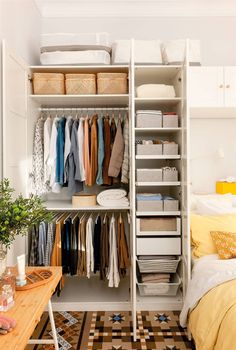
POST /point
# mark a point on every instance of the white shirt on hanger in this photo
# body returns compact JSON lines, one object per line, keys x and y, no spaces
{"x":56,"y":188}
{"x":113,"y":271}
{"x":89,"y":246}
{"x":69,"y":121}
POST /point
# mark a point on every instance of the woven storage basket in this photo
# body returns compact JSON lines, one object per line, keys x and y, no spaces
{"x":48,"y":84}
{"x":112,"y":83}
{"x":80,"y":84}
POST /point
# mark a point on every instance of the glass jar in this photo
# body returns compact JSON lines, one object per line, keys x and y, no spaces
{"x":8,"y":299}
{"x":9,"y":278}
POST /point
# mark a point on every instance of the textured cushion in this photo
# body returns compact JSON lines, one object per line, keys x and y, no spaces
{"x":201,"y":226}
{"x":225,"y":243}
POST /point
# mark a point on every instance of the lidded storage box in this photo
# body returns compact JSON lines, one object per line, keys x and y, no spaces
{"x":80,"y":84}
{"x":149,"y":175}
{"x":48,"y":84}
{"x":112,"y":83}
{"x":149,"y":149}
{"x":148,"y":119}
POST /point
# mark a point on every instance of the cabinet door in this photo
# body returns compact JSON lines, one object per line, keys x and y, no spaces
{"x":230,"y":86}
{"x":206,"y":87}
{"x":14,"y":97}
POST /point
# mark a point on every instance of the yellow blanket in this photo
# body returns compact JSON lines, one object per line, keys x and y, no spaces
{"x":213,"y":321}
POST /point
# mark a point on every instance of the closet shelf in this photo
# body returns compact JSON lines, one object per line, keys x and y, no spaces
{"x":171,"y":183}
{"x":160,"y":302}
{"x":159,"y":130}
{"x":81,"y":100}
{"x":157,"y":157}
{"x":79,"y":69}
{"x":67,"y":206}
{"x":143,"y":102}
{"x":158,"y":213}
{"x":149,"y":72}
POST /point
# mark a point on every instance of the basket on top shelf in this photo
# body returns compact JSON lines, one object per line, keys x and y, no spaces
{"x":80,"y":84}
{"x":112,"y":83}
{"x":48,"y":84}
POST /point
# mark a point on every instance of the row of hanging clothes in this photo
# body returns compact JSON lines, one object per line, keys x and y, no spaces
{"x":84,"y":244}
{"x":76,"y":148}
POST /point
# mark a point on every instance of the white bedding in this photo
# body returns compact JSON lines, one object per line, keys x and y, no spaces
{"x":208,"y":272}
{"x":75,"y":57}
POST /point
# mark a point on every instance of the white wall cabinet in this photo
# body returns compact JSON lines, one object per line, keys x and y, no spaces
{"x":212,"y":87}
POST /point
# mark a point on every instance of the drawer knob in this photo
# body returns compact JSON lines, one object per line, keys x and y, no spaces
{"x":221,"y":86}
{"x":227,"y":86}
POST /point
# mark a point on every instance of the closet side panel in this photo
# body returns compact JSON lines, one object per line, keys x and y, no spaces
{"x":14,"y":97}
{"x":14,"y":131}
{"x":186,"y":250}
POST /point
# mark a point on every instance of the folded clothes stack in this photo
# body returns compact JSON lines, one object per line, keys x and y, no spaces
{"x":152,"y":197}
{"x":155,"y":277}
{"x":113,"y":198}
{"x":7,"y":324}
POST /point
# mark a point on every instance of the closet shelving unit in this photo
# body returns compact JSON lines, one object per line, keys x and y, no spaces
{"x":21,"y":110}
{"x":173,"y":75}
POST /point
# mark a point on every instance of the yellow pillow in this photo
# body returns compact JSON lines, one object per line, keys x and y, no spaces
{"x":225,"y":244}
{"x":201,"y":226}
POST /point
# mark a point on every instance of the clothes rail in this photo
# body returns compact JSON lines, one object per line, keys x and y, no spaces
{"x":44,"y":109}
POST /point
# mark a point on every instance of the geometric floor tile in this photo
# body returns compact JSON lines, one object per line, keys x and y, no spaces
{"x":113,"y":331}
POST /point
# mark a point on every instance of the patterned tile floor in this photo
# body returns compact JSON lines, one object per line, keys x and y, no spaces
{"x":113,"y":331}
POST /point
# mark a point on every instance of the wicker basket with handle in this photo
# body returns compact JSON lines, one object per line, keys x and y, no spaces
{"x":48,"y":84}
{"x":112,"y":83}
{"x":80,"y":84}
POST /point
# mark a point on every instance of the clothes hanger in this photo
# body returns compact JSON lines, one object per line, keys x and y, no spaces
{"x":59,"y":218}
{"x":128,"y":217}
{"x":67,"y":217}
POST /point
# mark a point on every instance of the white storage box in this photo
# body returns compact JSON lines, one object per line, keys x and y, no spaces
{"x":75,"y":41}
{"x":167,"y":289}
{"x":75,"y":57}
{"x":149,"y":205}
{"x":155,"y":91}
{"x":173,"y":52}
{"x":158,"y":226}
{"x":158,"y":265}
{"x":148,"y":119}
{"x":170,"y":205}
{"x":152,"y":149}
{"x":170,"y":121}
{"x":170,"y":148}
{"x":149,"y":175}
{"x":169,"y":174}
{"x":145,"y":52}
{"x":158,"y":245}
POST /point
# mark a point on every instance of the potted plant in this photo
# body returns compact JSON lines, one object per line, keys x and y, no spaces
{"x":17,"y":216}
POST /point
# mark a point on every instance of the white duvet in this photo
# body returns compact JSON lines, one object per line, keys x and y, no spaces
{"x":208,"y":272}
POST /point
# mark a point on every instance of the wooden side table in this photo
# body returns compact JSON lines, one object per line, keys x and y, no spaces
{"x":27,"y":311}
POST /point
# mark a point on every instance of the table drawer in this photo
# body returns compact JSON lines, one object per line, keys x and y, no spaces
{"x":158,"y":246}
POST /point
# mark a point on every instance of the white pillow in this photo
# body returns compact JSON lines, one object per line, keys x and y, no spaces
{"x":214,"y":205}
{"x":224,"y":199}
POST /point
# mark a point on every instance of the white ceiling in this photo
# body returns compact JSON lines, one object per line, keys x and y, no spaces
{"x":135,"y":8}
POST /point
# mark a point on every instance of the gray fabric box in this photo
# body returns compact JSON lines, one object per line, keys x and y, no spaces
{"x":149,"y":149}
{"x":149,"y":175}
{"x":170,"y":149}
{"x":170,"y":121}
{"x":170,"y":174}
{"x":171,"y":205}
{"x":148,"y":120}
{"x":149,"y":205}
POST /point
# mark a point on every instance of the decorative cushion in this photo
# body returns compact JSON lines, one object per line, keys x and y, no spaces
{"x":201,"y":226}
{"x":225,"y":243}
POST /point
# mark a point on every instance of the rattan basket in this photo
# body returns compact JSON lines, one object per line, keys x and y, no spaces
{"x":80,"y":84}
{"x":48,"y":84}
{"x":112,"y":83}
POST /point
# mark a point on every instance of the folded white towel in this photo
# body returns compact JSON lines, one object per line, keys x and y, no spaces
{"x":155,"y":91}
{"x":113,"y":198}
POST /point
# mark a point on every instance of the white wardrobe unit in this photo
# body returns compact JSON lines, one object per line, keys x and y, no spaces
{"x":21,"y":109}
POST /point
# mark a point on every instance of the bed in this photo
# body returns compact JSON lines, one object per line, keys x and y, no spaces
{"x":209,"y":308}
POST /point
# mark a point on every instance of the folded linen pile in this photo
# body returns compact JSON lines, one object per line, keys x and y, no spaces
{"x":113,"y":198}
{"x":155,"y":277}
{"x":155,"y":91}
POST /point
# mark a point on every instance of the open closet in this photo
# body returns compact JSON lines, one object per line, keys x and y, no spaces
{"x":156,"y":218}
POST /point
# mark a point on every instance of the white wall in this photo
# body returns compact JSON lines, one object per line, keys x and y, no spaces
{"x":20,"y":25}
{"x":217,"y":34}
